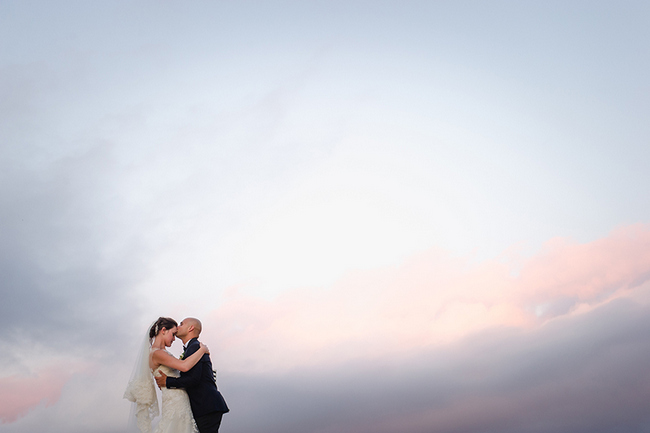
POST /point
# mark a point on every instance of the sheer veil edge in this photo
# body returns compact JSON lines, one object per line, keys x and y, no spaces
{"x":141,"y":390}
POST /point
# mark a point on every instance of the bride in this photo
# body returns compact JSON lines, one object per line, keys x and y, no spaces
{"x":176,"y":411}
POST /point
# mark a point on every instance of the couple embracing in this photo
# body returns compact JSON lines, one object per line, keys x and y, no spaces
{"x":191,"y":402}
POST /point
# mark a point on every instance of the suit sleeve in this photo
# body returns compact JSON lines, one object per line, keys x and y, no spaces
{"x":189,"y":378}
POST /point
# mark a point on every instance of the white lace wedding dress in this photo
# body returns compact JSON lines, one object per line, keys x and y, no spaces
{"x":176,"y":411}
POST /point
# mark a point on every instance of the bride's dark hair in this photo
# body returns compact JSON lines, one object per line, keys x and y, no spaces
{"x":162,"y":322}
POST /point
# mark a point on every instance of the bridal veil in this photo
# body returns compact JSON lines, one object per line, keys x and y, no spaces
{"x":141,"y":389}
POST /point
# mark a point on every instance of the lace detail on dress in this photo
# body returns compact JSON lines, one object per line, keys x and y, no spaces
{"x":143,"y":394}
{"x":176,"y":410}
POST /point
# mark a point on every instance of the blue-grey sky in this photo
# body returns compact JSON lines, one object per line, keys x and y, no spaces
{"x":340,"y":190}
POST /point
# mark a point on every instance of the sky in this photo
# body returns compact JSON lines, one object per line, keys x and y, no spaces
{"x":413,"y":216}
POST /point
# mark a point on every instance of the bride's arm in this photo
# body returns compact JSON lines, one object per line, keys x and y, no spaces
{"x":164,"y":358}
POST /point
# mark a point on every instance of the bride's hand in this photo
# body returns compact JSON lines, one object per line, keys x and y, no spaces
{"x":203,"y":346}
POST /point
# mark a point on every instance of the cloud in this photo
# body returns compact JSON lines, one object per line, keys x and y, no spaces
{"x":90,"y":399}
{"x":63,"y":267}
{"x":588,"y":272}
{"x":71,"y":248}
{"x":445,"y":344}
{"x":438,"y":343}
{"x":19,"y":394}
{"x":432,"y":298}
{"x":577,"y":373}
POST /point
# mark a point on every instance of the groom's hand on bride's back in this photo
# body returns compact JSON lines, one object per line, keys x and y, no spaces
{"x":161,"y":380}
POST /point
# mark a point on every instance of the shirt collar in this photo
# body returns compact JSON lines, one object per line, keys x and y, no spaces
{"x":185,"y":346}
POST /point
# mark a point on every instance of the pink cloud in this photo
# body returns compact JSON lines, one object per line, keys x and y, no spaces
{"x":19,"y":394}
{"x":432,"y":298}
{"x":592,"y":270}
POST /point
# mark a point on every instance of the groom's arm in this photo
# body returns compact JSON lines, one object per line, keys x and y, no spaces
{"x":189,"y":378}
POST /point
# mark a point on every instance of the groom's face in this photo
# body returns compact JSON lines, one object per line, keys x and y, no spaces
{"x":182,"y":328}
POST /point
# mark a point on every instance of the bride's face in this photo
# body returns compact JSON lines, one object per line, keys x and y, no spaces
{"x":169,"y":335}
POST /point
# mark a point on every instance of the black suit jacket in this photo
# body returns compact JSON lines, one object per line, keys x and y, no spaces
{"x":200,"y":384}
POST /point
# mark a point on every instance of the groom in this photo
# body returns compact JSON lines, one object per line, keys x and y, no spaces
{"x":208,"y":406}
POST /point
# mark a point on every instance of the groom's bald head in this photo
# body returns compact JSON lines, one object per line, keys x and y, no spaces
{"x":195,"y":323}
{"x":189,"y":328}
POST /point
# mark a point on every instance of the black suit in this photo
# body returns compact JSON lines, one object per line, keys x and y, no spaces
{"x":200,"y":383}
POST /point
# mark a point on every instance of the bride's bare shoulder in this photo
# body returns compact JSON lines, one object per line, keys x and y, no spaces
{"x":155,"y":353}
